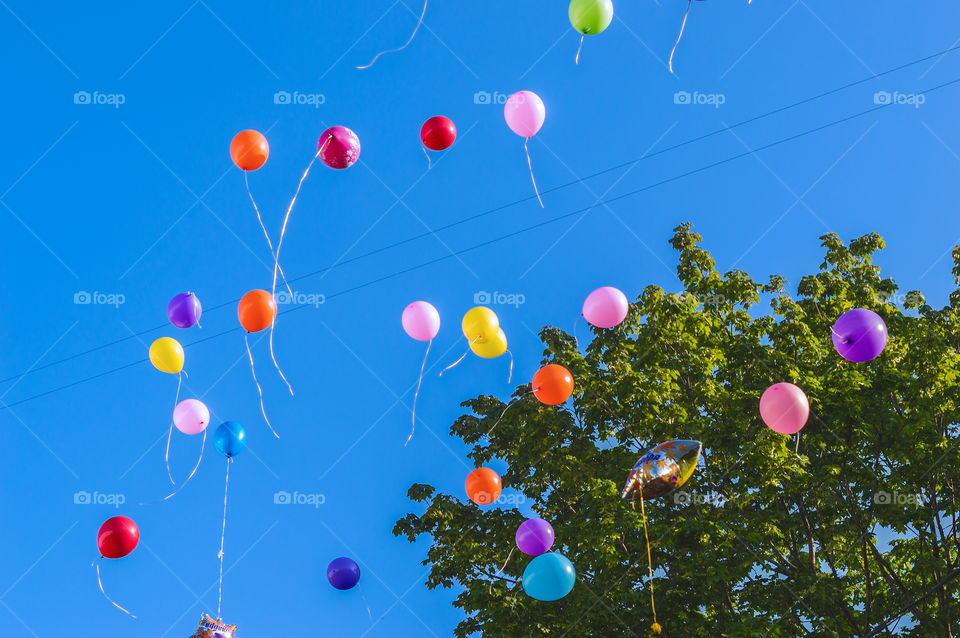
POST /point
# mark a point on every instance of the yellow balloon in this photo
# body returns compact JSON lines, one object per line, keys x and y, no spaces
{"x":491,"y":348}
{"x":479,"y":322}
{"x":166,"y":355}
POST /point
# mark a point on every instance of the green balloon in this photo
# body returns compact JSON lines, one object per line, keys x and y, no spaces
{"x":590,"y":17}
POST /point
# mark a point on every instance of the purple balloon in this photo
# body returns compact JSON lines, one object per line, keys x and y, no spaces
{"x":343,"y":573}
{"x":859,"y":335}
{"x":184,"y":310}
{"x":535,"y":536}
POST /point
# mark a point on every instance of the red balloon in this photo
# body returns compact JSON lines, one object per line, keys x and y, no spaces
{"x":257,"y":310}
{"x":552,"y":384}
{"x":117,"y":537}
{"x":483,"y":486}
{"x":438,"y":133}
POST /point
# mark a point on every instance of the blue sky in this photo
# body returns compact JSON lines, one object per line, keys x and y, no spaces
{"x":139,"y":201}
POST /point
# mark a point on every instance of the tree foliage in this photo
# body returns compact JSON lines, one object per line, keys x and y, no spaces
{"x":831,"y":534}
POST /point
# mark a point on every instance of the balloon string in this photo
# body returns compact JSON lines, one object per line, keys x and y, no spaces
{"x":579,"y":48}
{"x":96,"y":563}
{"x":363,"y":597}
{"x":193,"y":472}
{"x":508,"y":407}
{"x":680,"y":35}
{"x":817,"y":306}
{"x":263,"y":410}
{"x":266,"y":235}
{"x":223,"y":534}
{"x":166,"y":454}
{"x":643,"y":514}
{"x":462,"y":357}
{"x":429,"y":161}
{"x":405,"y":44}
{"x":413,"y":411}
{"x":286,"y":217}
{"x":500,"y":571}
{"x":510,"y":374}
{"x":532,"y":178}
{"x":576,"y":342}
{"x":276,"y":365}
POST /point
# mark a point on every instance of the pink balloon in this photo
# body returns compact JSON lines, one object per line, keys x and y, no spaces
{"x":784,"y":408}
{"x":339,"y":147}
{"x":606,"y":307}
{"x":191,"y":416}
{"x":524,"y":112}
{"x":421,"y":321}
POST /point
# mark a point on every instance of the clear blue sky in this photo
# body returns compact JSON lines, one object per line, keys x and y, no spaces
{"x":141,"y":200}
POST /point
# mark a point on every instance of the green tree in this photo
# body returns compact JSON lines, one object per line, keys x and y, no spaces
{"x":831,"y":533}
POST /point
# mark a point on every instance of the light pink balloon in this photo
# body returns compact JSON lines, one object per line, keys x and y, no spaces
{"x":421,"y":321}
{"x":784,"y":408}
{"x":191,"y":416}
{"x":524,"y":112}
{"x":606,"y":307}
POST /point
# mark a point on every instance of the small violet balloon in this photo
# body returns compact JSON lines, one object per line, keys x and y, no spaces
{"x":549,"y":577}
{"x":230,"y":439}
{"x":191,"y":416}
{"x":343,"y":573}
{"x":184,"y":310}
{"x":339,"y":147}
{"x":535,"y":536}
{"x":859,"y":335}
{"x":784,"y":408}
{"x":605,"y":307}
{"x":421,"y":321}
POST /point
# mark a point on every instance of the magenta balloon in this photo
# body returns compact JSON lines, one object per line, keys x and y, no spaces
{"x":606,"y":307}
{"x":421,"y":320}
{"x":535,"y":536}
{"x":191,"y":416}
{"x":859,"y":335}
{"x":524,"y":113}
{"x":784,"y":408}
{"x":339,"y":147}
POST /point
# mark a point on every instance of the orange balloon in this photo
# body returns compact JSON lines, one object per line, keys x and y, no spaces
{"x":257,"y":310}
{"x":249,"y":150}
{"x":552,"y":384}
{"x":483,"y":486}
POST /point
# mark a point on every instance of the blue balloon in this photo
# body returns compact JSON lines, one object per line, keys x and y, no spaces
{"x":343,"y":573}
{"x":549,"y":576}
{"x":230,"y":439}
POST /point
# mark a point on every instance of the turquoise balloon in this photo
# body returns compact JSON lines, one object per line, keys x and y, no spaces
{"x":549,"y":577}
{"x":230,"y":439}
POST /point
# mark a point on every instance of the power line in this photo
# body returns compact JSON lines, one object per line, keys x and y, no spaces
{"x":491,"y":211}
{"x":4,"y":406}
